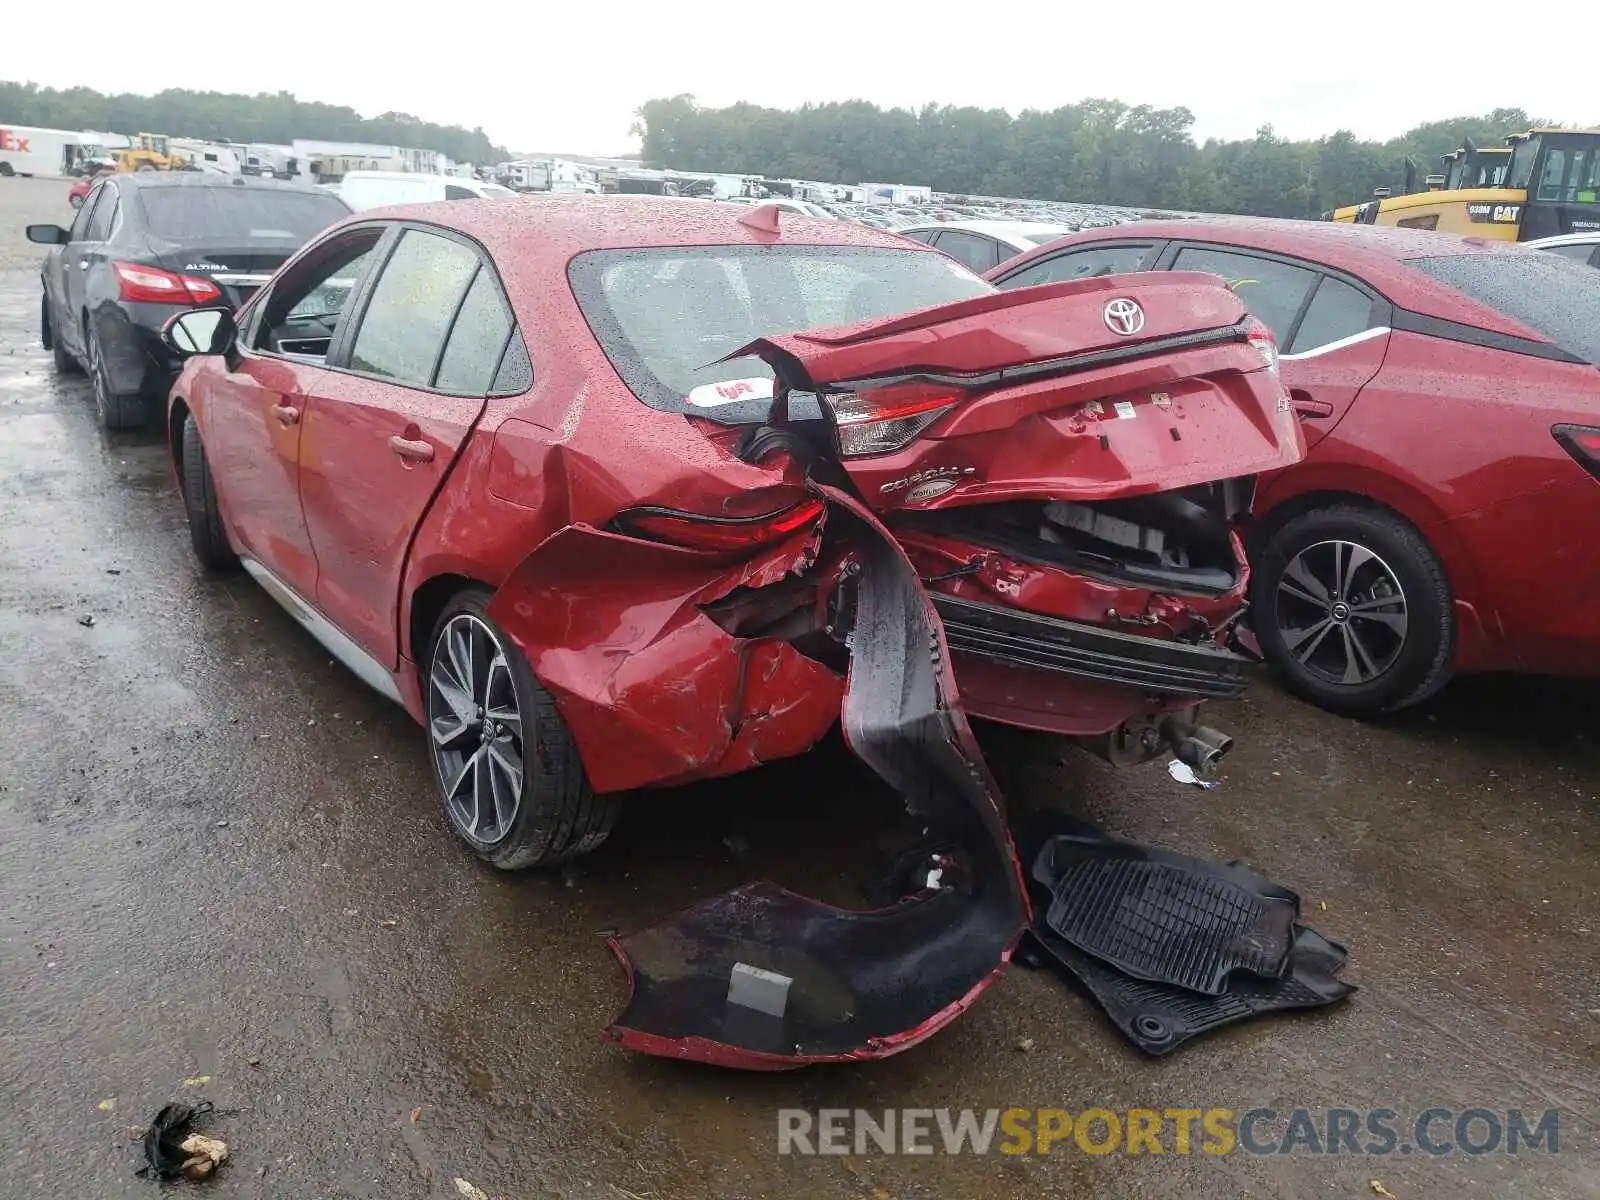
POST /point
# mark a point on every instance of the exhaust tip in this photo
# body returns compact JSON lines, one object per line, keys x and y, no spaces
{"x":1199,"y":747}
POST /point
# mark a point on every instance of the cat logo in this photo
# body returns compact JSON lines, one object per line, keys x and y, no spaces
{"x":1494,"y":214}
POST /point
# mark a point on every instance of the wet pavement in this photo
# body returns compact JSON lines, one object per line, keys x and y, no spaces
{"x":220,"y":857}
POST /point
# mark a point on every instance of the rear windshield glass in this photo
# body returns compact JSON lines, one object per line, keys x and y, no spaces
{"x":210,"y":214}
{"x":666,"y":316}
{"x":1550,"y":294}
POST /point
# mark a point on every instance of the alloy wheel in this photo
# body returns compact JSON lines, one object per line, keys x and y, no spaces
{"x":98,"y":381}
{"x":1341,"y":612}
{"x":475,"y":729}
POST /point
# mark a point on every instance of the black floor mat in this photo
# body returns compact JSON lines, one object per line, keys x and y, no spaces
{"x":1166,"y":918}
{"x":1159,"y":1018}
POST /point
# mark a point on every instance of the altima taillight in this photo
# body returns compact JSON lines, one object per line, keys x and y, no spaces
{"x":152,"y":285}
{"x":881,"y":420}
{"x":1260,"y":337}
{"x":698,"y":532}
{"x":1583,"y":443}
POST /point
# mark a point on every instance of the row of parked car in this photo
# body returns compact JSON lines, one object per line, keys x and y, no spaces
{"x":592,"y":485}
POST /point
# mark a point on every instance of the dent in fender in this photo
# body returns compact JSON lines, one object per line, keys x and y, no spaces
{"x":865,"y":984}
{"x":652,"y":690}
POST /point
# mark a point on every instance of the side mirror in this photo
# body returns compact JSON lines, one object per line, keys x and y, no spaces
{"x":48,"y":235}
{"x":200,"y":331}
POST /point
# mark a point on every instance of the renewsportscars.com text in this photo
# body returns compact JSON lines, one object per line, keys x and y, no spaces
{"x":1178,"y":1131}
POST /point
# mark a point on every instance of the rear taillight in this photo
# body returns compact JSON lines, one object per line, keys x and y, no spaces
{"x":1260,"y":337}
{"x":1583,"y":443}
{"x":881,"y":420}
{"x":152,"y":285}
{"x":698,"y":532}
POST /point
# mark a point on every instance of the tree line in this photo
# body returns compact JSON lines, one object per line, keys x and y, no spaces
{"x":1096,"y":151}
{"x":273,"y":117}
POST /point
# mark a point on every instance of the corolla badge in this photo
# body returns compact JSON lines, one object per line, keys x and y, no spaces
{"x":1124,"y":316}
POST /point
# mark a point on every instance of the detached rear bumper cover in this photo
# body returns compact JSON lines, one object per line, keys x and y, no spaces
{"x":865,"y":984}
{"x":609,"y":624}
{"x":1154,"y":665}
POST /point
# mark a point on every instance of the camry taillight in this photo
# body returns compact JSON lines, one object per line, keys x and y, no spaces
{"x":152,"y":285}
{"x":1583,"y":443}
{"x":699,"y":532}
{"x":881,"y":420}
{"x":1260,"y":337}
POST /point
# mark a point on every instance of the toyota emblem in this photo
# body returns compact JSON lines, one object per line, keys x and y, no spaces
{"x":1124,"y":317}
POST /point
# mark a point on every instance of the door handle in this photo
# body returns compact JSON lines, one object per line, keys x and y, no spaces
{"x":1307,"y":407}
{"x":413,"y":449}
{"x":287,"y":414}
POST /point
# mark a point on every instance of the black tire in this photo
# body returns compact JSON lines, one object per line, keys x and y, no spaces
{"x":206,"y":531}
{"x":5,"y":170}
{"x":558,"y":816}
{"x":116,"y":411}
{"x":64,"y":362}
{"x":1379,"y":652}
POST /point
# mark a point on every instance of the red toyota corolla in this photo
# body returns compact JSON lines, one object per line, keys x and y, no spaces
{"x":556,"y":475}
{"x":1442,"y":519}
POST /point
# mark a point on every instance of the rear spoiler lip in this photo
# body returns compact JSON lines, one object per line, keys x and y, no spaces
{"x":1044,"y":369}
{"x":997,"y":301}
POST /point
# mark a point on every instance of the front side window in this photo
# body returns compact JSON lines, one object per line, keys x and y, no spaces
{"x":454,"y":191}
{"x":1081,"y":264}
{"x":1523,"y":156}
{"x":94,"y":219}
{"x":665,"y":317}
{"x":1555,"y":166}
{"x":80,"y":223}
{"x":412,"y":306}
{"x":306,"y":307}
{"x":1272,"y":291}
{"x":1579,"y":251}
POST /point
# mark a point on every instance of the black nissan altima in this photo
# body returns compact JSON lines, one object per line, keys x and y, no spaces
{"x":146,"y":244}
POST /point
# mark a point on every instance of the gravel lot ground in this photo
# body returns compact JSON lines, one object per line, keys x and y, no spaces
{"x":220,"y":857}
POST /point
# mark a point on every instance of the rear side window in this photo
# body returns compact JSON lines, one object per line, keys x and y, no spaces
{"x":1577,"y":251}
{"x":412,"y":307}
{"x":1552,"y":295}
{"x":238,"y":214}
{"x":1081,"y":264}
{"x":1272,"y":291}
{"x":105,"y":214}
{"x":1336,"y":311}
{"x":454,"y":191}
{"x":479,"y":335}
{"x":922,"y":235}
{"x":979,"y":253}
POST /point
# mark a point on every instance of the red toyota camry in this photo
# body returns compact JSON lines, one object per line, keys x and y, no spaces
{"x":1443,"y":519}
{"x":560,"y":476}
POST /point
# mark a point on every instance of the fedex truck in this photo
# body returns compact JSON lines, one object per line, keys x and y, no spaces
{"x":29,"y":150}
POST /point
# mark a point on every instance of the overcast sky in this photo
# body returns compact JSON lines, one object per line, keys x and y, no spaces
{"x":568,"y":79}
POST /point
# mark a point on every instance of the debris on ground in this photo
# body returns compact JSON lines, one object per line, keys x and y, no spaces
{"x":1379,"y":1190}
{"x":87,"y":620}
{"x":174,"y":1150}
{"x":197,"y":1081}
{"x":738,"y":845}
{"x":1025,"y":1045}
{"x":108,"y":1104}
{"x":416,"y":1114}
{"x":1170,"y":946}
{"x":468,"y":1191}
{"x":1184,"y":773}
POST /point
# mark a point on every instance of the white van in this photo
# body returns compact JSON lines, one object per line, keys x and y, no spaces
{"x":378,"y":189}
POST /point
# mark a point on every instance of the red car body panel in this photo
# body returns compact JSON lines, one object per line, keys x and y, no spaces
{"x":1454,"y":437}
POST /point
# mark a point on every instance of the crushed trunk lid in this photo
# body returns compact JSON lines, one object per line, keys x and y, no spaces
{"x":1087,"y":389}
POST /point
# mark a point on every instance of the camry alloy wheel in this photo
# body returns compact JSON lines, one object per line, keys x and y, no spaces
{"x":1341,"y":612}
{"x":475,"y":729}
{"x":97,"y":379}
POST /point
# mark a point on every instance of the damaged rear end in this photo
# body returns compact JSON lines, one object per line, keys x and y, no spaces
{"x":1029,"y":494}
{"x":1067,"y":467}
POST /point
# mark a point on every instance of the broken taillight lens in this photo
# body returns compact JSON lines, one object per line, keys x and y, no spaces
{"x":1583,"y":443}
{"x":1260,"y":337}
{"x":152,"y":285}
{"x":696,"y":531}
{"x":881,"y":420}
